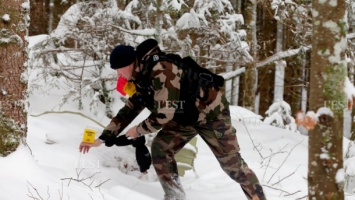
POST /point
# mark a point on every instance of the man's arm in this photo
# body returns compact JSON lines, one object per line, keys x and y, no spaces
{"x":109,"y":136}
{"x":123,"y":118}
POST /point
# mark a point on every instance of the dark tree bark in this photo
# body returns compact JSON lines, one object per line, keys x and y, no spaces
{"x":13,"y":118}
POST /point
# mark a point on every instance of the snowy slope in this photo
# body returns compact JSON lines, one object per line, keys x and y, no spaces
{"x":46,"y":167}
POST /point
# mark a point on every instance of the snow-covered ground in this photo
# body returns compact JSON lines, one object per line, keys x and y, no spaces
{"x":51,"y":167}
{"x":52,"y":158}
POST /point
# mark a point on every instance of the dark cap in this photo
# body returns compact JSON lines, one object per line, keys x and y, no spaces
{"x":122,"y":56}
{"x":144,"y":47}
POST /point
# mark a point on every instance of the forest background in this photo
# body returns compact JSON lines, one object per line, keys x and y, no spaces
{"x":268,"y":52}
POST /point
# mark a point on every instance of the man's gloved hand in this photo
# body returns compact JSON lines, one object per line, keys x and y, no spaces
{"x":109,"y":137}
{"x":122,"y":140}
{"x":139,"y":141}
{"x":143,"y":157}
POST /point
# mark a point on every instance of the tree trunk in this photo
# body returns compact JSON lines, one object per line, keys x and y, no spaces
{"x":159,"y":22}
{"x":46,"y":14}
{"x":39,"y":17}
{"x":50,"y":16}
{"x":250,"y":69}
{"x":328,"y":72}
{"x":13,"y":118}
{"x":279,"y":65}
{"x":267,"y":43}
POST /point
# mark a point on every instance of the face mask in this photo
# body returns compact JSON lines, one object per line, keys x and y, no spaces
{"x":124,"y":87}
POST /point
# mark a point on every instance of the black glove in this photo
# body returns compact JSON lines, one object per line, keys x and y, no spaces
{"x":122,"y":140}
{"x":143,"y":157}
{"x":139,"y":141}
{"x":108,"y":137}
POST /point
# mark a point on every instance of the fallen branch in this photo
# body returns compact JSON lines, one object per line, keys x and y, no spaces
{"x":69,"y":112}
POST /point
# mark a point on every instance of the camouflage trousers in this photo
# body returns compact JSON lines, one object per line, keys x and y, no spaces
{"x":220,"y":136}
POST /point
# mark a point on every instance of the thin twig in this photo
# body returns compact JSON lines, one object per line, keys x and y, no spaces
{"x":285,"y":177}
{"x":81,"y":180}
{"x":268,"y":163}
{"x":283,"y":162}
{"x":103,"y":196}
{"x":270,"y":157}
{"x":31,"y":195}
{"x":284,"y":191}
{"x":276,"y":189}
{"x":305,"y":196}
{"x":61,"y":193}
{"x":252,"y":141}
{"x":48,"y":192}
{"x":292,"y":193}
{"x":102,"y":183}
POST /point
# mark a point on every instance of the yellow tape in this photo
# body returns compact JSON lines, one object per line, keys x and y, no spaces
{"x":89,"y":135}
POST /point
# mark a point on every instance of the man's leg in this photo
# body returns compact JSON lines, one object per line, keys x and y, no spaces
{"x":169,"y":141}
{"x":220,"y":136}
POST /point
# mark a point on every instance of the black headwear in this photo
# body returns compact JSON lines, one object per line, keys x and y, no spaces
{"x":122,"y":56}
{"x":144,"y":47}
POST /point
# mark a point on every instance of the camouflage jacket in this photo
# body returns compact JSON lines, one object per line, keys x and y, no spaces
{"x":165,"y":83}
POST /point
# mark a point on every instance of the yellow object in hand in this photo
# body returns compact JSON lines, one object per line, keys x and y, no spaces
{"x":129,"y":89}
{"x":89,"y":135}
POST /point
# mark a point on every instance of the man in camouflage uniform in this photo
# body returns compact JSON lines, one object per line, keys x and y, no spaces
{"x":213,"y":122}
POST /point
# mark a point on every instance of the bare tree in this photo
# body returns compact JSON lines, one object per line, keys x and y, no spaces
{"x":328,"y":73}
{"x":14,"y":29}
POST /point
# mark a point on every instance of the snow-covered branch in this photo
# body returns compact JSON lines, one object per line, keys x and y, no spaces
{"x":281,"y":55}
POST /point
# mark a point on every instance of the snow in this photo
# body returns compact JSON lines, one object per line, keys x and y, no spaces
{"x":313,"y":115}
{"x":333,"y":3}
{"x":324,"y":111}
{"x":3,"y":92}
{"x":48,"y":166}
{"x":332,"y":26}
{"x":6,"y":17}
{"x":339,"y":47}
{"x":350,"y":166}
{"x":349,"y":89}
{"x":315,"y":13}
{"x":26,"y":5}
{"x":188,"y":21}
{"x":176,"y":5}
{"x":339,"y":177}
